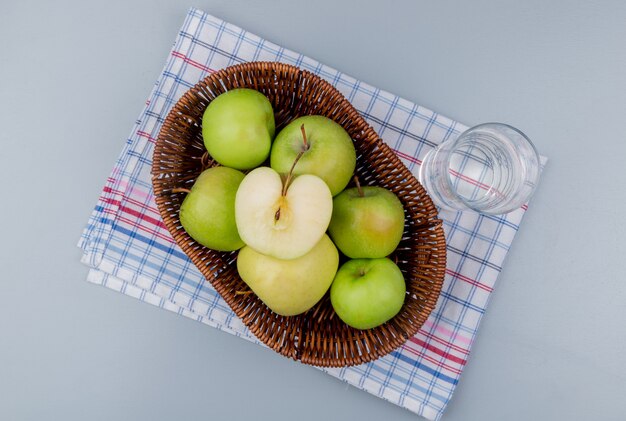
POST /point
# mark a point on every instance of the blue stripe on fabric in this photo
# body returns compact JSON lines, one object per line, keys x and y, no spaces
{"x":427,"y":369}
{"x":174,"y":275}
{"x":401,"y":379}
{"x":173,"y":250}
{"x":478,"y":235}
{"x":107,"y":221}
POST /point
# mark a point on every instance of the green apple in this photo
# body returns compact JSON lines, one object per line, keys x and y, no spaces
{"x":367,"y":222}
{"x":282,"y":219}
{"x":290,"y":287}
{"x":328,"y":150}
{"x":238,"y":128}
{"x":208,"y":211}
{"x":367,"y":292}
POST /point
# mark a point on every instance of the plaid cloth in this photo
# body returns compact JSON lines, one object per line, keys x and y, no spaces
{"x":129,"y":250}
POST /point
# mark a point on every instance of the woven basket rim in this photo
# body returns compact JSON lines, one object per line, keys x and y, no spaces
{"x":219,"y":80}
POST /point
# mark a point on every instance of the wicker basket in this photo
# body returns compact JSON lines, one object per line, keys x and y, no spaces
{"x":317,"y":337}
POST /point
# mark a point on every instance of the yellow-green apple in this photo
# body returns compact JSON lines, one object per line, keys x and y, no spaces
{"x":367,"y":222}
{"x":208,"y":211}
{"x":282,"y":219}
{"x":328,"y":151}
{"x":238,"y":128}
{"x":290,"y":287}
{"x":367,"y":292}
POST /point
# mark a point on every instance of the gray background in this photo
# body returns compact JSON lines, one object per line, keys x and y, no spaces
{"x":74,"y":76}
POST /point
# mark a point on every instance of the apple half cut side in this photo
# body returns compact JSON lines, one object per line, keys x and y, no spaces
{"x":284,"y":221}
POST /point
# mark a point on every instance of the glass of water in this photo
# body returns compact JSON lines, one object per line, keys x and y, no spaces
{"x":491,"y":168}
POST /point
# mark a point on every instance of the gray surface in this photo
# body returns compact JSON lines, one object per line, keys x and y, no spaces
{"x":73,"y":77}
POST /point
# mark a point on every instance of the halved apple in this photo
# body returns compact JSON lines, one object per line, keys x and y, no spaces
{"x":279,"y":218}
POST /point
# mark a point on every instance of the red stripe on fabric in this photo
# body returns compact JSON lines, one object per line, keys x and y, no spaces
{"x":469,"y":280}
{"x":108,"y":189}
{"x":143,"y":217}
{"x":144,"y":206}
{"x":111,"y":201}
{"x":439,"y":364}
{"x":456,"y":174}
{"x":133,"y":223}
{"x":525,"y":207}
{"x":192,"y":62}
{"x":147,"y":136}
{"x":156,"y":233}
{"x":118,"y":216}
{"x":470,"y":180}
{"x":407,"y":157}
{"x":438,"y":351}
{"x":444,"y":342}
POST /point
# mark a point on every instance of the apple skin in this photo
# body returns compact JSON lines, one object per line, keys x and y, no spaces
{"x":330,"y":155}
{"x":290,"y":287}
{"x":208,"y":211}
{"x":367,"y":292}
{"x":304,"y":213}
{"x":367,"y":227}
{"x":238,"y":128}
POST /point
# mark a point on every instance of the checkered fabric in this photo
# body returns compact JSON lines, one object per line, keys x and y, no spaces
{"x":129,"y":249}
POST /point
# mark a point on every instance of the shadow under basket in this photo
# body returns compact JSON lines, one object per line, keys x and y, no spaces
{"x":317,"y":337}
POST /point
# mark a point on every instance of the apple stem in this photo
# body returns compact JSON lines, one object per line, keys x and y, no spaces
{"x":358,"y":186}
{"x":290,"y":174}
{"x":181,"y":190}
{"x":304,"y":140}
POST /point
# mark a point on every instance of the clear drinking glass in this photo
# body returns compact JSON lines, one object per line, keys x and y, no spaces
{"x":491,"y":168}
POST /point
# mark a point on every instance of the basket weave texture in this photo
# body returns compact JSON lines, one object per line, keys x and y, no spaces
{"x":317,"y":337}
